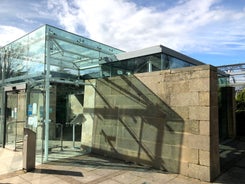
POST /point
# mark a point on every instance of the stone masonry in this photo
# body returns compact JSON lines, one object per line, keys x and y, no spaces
{"x":167,"y":119}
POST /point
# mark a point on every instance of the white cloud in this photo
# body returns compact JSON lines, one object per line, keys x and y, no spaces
{"x":189,"y":25}
{"x":9,"y":34}
{"x":66,"y":14}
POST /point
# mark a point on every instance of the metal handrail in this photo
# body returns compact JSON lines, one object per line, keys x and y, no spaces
{"x":61,"y":135}
{"x":73,"y":132}
{"x":57,"y":125}
{"x":14,"y":121}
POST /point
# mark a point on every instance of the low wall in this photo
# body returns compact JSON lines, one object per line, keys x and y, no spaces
{"x":167,"y":119}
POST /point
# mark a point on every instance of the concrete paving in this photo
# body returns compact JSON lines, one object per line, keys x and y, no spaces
{"x":10,"y":161}
{"x":93,"y":169}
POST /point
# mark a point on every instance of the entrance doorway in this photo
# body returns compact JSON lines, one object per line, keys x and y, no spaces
{"x":24,"y":107}
{"x":66,"y":121}
{"x":15,"y":119}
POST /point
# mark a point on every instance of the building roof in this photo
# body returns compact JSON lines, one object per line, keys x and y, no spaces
{"x":154,"y":50}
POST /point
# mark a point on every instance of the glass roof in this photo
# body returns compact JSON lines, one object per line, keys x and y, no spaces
{"x":64,"y":51}
{"x":72,"y":51}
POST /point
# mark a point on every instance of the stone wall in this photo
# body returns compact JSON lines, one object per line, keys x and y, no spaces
{"x":167,"y":119}
{"x":88,"y":112}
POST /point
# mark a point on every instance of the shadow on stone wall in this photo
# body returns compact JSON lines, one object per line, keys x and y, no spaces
{"x":132,"y":123}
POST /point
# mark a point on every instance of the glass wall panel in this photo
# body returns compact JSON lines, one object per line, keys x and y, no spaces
{"x":35,"y":117}
{"x":131,"y":66}
{"x":154,"y":62}
{"x":1,"y":118}
{"x":24,"y":56}
{"x":223,"y":80}
{"x":177,"y":63}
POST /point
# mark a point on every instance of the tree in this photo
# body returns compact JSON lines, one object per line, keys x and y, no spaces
{"x":11,"y":62}
{"x":240,"y":100}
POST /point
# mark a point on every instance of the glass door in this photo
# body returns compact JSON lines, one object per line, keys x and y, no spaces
{"x":15,"y":114}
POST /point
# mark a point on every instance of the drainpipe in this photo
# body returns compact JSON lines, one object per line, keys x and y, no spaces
{"x":47,"y":103}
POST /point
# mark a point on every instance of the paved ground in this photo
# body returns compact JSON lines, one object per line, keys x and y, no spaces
{"x":9,"y":161}
{"x":93,"y":169}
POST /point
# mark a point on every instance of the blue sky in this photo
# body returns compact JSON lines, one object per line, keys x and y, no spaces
{"x":212,"y":31}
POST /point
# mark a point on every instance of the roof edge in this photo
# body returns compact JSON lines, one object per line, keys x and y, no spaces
{"x":154,"y":50}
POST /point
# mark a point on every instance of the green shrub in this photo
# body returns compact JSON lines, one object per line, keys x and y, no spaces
{"x":240,"y":101}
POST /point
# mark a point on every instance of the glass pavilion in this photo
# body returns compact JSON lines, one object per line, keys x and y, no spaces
{"x":41,"y":74}
{"x":42,"y":83}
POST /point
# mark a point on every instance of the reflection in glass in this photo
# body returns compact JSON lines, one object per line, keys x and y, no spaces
{"x":154,"y":62}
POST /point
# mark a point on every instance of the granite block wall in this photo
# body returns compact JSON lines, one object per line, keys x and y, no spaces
{"x":167,"y":119}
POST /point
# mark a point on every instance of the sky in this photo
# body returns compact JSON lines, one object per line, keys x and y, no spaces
{"x":211,"y":31}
